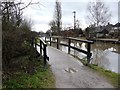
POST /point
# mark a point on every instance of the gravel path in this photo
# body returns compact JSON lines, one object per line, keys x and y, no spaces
{"x":70,"y":73}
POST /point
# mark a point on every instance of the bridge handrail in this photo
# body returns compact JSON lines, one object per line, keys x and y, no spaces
{"x":85,"y":41}
{"x":76,"y":39}
{"x":88,"y":53}
{"x":43,"y":51}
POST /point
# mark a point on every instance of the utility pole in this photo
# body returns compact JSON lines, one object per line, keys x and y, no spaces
{"x":74,"y":12}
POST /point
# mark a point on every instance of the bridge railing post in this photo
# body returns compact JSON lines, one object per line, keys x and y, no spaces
{"x":58,"y":43}
{"x":69,"y":42}
{"x":41,"y":47}
{"x":35,"y":41}
{"x":35,"y":44}
{"x":50,"y":41}
{"x":45,"y":39}
{"x":45,"y":56}
{"x":88,"y":52}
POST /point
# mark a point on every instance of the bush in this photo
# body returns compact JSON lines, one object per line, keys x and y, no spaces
{"x":15,"y":44}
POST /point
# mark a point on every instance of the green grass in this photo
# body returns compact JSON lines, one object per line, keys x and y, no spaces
{"x":42,"y":77}
{"x":112,"y":77}
{"x":109,"y":75}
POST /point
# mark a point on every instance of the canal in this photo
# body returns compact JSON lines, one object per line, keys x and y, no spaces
{"x":105,"y":55}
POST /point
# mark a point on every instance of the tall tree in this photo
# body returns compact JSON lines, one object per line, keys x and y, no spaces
{"x":58,"y":16}
{"x":16,"y":34}
{"x":53,"y":27}
{"x":77,"y":24}
{"x":12,"y":11}
{"x":98,"y":13}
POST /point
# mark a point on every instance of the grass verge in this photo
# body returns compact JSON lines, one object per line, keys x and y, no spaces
{"x":109,"y":75}
{"x":31,"y":74}
{"x":112,"y":77}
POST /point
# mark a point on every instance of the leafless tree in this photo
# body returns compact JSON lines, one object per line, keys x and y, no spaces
{"x":53,"y":26}
{"x":11,"y":12}
{"x":58,"y":16}
{"x":98,"y":13}
{"x":77,"y":24}
{"x":15,"y":30}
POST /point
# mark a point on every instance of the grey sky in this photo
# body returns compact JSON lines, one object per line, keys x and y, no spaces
{"x":41,"y":16}
{"x":119,"y":11}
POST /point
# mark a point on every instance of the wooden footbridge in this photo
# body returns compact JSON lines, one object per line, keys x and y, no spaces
{"x":58,"y":41}
{"x":68,"y":71}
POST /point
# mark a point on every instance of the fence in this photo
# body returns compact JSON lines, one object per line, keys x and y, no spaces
{"x":43,"y":51}
{"x":69,"y":39}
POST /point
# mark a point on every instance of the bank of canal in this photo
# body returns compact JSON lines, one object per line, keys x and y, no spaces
{"x":105,"y":55}
{"x":104,"y":60}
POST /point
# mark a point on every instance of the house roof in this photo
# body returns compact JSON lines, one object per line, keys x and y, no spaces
{"x":109,"y":25}
{"x":103,"y":31}
{"x":117,"y":25}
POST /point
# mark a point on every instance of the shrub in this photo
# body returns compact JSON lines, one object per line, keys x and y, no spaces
{"x":16,"y":43}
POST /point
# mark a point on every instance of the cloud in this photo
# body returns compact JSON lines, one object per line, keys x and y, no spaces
{"x":41,"y":16}
{"x":40,"y":27}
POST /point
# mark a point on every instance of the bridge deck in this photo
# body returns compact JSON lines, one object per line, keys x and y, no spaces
{"x":70,"y":73}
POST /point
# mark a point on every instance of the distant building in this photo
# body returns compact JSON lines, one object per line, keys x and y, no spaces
{"x":102,"y":33}
{"x":109,"y":30}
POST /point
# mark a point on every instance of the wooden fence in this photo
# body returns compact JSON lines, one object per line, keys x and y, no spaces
{"x":43,"y":51}
{"x":69,"y":39}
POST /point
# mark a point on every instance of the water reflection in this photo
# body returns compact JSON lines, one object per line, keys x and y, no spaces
{"x":99,"y":58}
{"x":106,"y":55}
{"x":103,"y":54}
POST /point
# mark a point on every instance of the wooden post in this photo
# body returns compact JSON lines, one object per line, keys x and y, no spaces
{"x":35,"y":47}
{"x":57,"y":43}
{"x":45,"y":56}
{"x":50,"y":41}
{"x":41,"y":47}
{"x":35,"y":44}
{"x":45,"y":39}
{"x":69,"y":41}
{"x":32,"y":42}
{"x":88,"y":54}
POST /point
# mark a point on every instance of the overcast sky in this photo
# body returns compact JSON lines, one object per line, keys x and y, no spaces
{"x":41,"y":15}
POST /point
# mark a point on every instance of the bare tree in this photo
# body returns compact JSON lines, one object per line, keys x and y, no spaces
{"x":53,"y":26}
{"x":58,"y":16}
{"x":98,"y":13}
{"x":77,"y":24}
{"x":15,"y":31}
{"x":11,"y":12}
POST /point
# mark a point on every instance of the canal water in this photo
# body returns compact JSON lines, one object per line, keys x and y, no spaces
{"x":105,"y":55}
